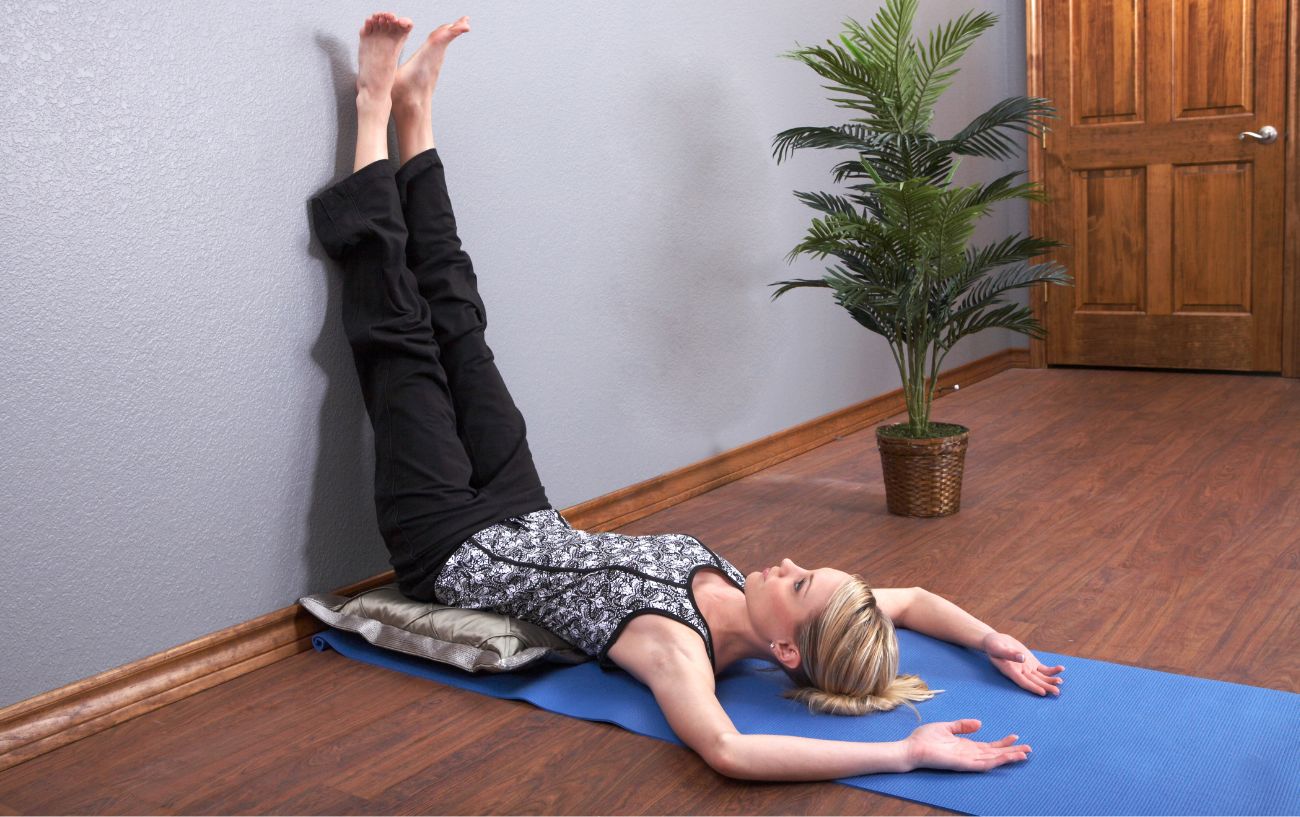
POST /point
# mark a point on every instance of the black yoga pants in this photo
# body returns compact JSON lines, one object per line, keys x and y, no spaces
{"x":451,"y":451}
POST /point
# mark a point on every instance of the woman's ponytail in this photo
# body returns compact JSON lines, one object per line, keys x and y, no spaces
{"x":849,"y":660}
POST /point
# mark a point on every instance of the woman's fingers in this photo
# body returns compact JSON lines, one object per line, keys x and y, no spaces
{"x":1041,"y":684}
{"x":965,"y":726}
{"x":1049,"y":682}
{"x":990,"y":760}
{"x":1005,"y":745}
{"x":1036,"y":678}
{"x":1029,"y":683}
{"x":981,"y":756}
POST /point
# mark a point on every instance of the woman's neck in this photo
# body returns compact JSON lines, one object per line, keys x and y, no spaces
{"x":723,"y":608}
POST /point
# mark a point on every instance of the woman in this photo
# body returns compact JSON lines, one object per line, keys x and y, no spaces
{"x":467,"y":521}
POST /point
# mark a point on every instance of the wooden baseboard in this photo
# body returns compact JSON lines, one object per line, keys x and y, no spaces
{"x":636,"y":501}
{"x":52,"y":719}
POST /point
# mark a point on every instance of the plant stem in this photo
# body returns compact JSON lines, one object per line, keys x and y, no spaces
{"x":926,"y":395}
{"x":909,"y":388}
{"x":916,"y":386}
{"x":897,"y":352}
{"x":934,"y":379}
{"x":929,"y":396}
{"x":925,"y":392}
{"x":921,"y":423}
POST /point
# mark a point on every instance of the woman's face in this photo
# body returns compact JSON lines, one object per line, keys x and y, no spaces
{"x":782,"y":597}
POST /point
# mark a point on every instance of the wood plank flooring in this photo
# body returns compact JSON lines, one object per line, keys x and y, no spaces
{"x":1149,"y":518}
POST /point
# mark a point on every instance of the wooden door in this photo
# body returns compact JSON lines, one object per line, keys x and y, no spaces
{"x":1175,"y":223}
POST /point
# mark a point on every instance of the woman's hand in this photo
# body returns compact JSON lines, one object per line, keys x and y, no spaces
{"x":1016,"y":662}
{"x":936,"y":746}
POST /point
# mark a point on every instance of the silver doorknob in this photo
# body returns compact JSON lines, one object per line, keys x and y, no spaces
{"x":1266,"y":135}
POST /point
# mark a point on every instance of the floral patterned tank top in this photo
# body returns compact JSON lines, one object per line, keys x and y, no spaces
{"x":584,"y":587}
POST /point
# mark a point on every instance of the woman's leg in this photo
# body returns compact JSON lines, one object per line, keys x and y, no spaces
{"x":413,"y":88}
{"x":490,"y":425}
{"x":425,"y":504}
{"x":382,"y":36}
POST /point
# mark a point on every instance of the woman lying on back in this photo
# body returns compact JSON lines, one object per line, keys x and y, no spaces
{"x":467,"y":521}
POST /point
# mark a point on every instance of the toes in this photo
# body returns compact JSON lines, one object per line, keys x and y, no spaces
{"x":385,"y":22}
{"x":393,"y":24}
{"x":450,"y":31}
{"x":388,"y":21}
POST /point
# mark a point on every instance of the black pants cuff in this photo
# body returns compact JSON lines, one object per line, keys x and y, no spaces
{"x":340,"y":212}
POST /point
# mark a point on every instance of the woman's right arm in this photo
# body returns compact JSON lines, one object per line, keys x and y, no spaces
{"x":786,"y":757}
{"x":933,"y":745}
{"x":684,"y":688}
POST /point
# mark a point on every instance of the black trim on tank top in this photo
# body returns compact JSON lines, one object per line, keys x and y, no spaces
{"x":706,"y":636}
{"x":690,"y":596}
{"x":517,"y":520}
{"x":550,"y":569}
{"x":719,"y":560}
{"x":602,"y":656}
{"x":716,"y":558}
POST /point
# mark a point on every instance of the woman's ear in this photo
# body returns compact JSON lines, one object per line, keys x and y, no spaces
{"x":787,"y":654}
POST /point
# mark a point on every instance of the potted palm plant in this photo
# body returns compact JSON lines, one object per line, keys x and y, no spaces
{"x":899,"y":233}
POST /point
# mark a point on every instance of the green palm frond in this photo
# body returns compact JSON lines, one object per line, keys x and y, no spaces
{"x":852,"y":135}
{"x":984,"y":136}
{"x":1019,"y":275}
{"x":827,"y":203}
{"x":977,"y":262}
{"x":885,"y":46}
{"x":945,"y":46}
{"x":847,"y":76}
{"x":1001,"y":189}
{"x":795,"y":284}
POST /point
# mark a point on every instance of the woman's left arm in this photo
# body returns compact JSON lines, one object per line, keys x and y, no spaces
{"x":935,"y":616}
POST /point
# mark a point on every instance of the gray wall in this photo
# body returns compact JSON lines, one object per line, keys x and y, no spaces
{"x":184,"y":441}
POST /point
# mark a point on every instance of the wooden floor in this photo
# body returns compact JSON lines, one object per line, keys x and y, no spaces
{"x":1142,"y":517}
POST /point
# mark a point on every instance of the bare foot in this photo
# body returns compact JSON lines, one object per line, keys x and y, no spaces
{"x":418,"y":76}
{"x":382,"y":37}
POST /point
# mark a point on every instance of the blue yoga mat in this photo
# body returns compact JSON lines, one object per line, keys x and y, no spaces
{"x":1118,"y":739}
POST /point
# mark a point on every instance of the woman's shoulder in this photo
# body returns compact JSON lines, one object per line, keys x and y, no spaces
{"x":648,"y":640}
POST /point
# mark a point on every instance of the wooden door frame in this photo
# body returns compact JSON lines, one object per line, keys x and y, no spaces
{"x":1291,"y":196}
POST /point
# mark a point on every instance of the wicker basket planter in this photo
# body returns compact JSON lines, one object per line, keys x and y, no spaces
{"x":922,"y":476}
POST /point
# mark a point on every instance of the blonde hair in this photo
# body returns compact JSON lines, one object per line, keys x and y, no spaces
{"x":849,"y":658}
